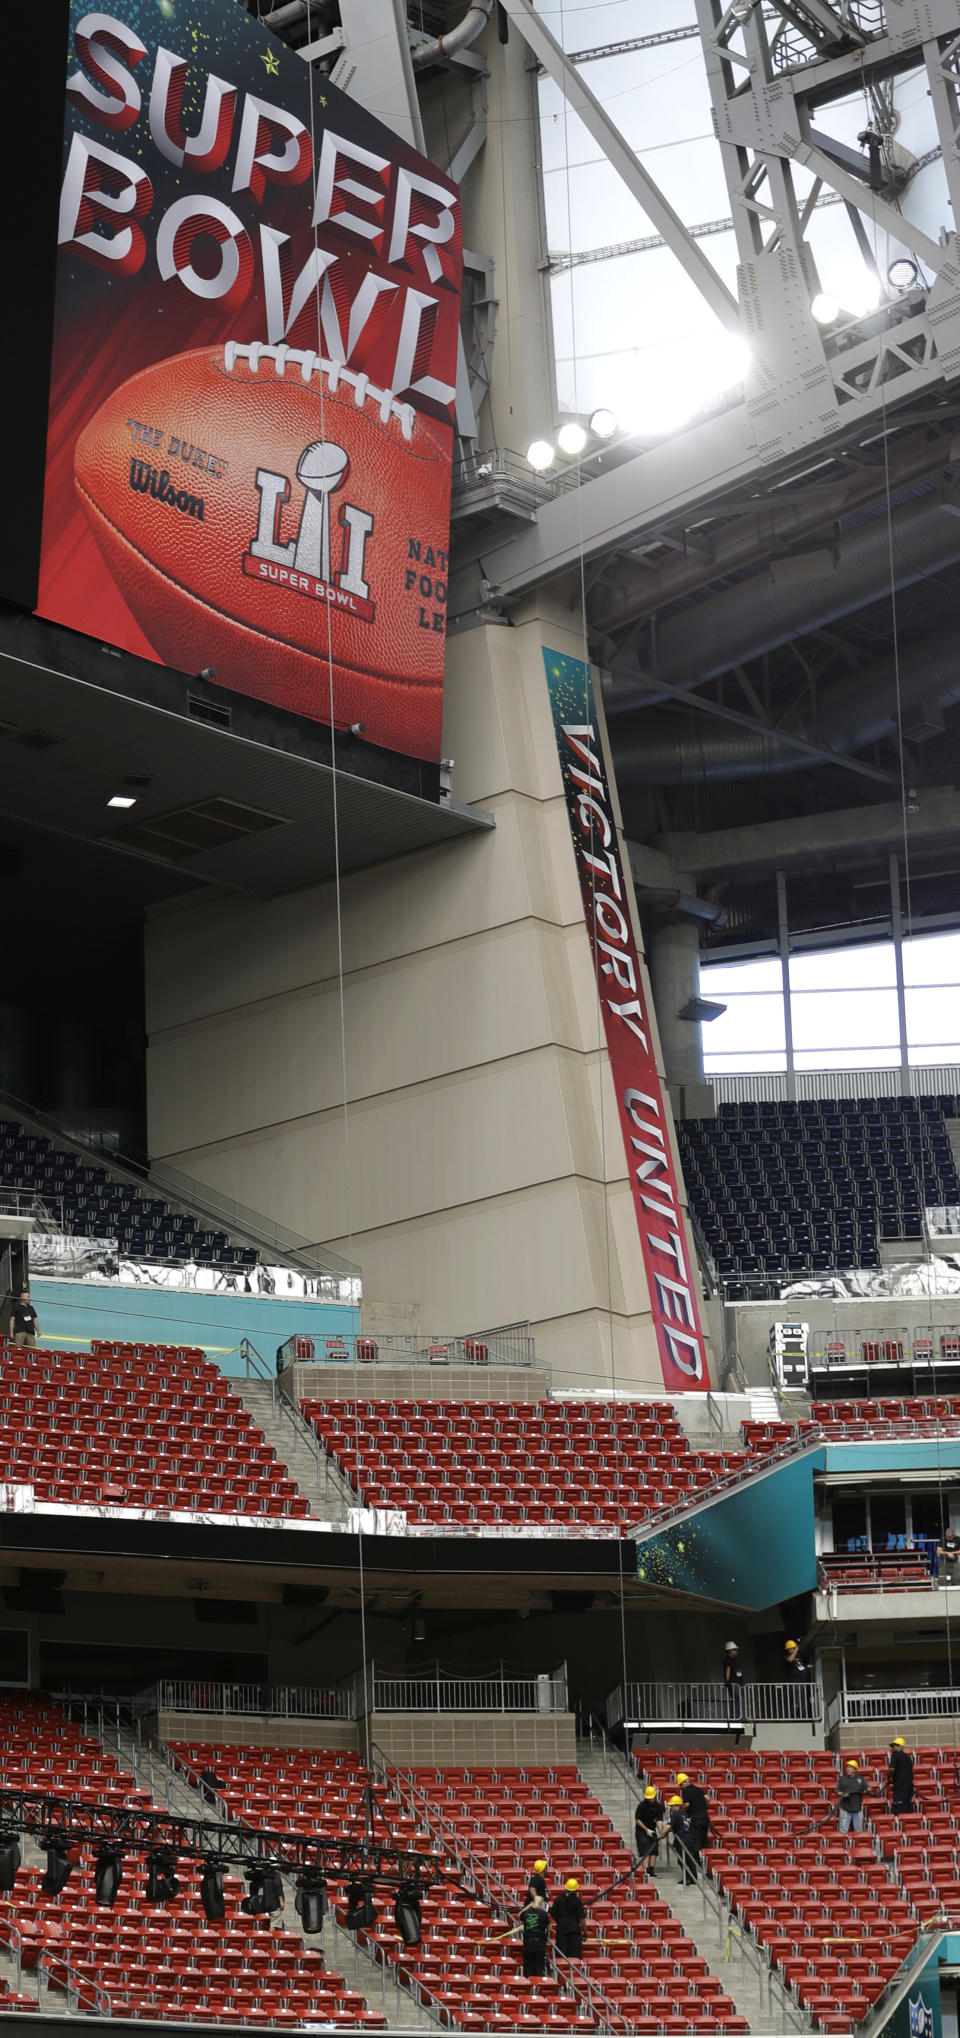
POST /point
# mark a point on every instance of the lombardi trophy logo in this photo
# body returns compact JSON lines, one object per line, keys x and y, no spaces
{"x":305,"y":563}
{"x":921,"y":2018}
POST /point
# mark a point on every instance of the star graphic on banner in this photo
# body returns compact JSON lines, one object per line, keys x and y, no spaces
{"x":272,"y":61}
{"x":322,"y":100}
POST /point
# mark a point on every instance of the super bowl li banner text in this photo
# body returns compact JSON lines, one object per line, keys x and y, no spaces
{"x":671,"y":1278}
{"x":253,"y":380}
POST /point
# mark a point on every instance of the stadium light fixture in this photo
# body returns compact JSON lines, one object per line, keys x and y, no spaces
{"x":9,"y":1860}
{"x":825,"y":308}
{"x":540,"y":455}
{"x":571,"y":439}
{"x":603,"y":423}
{"x":903,"y":273}
{"x":62,"y":1858}
{"x":121,"y":800}
{"x":313,"y":1901}
{"x":211,"y":1893}
{"x":107,"y":1875}
{"x":162,"y":1884}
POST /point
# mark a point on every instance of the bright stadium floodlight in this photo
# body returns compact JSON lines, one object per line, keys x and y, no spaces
{"x":540,"y":455}
{"x":825,"y":308}
{"x":903,"y":273}
{"x":571,"y":439}
{"x":603,"y":423}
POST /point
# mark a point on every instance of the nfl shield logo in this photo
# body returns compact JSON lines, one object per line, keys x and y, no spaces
{"x":921,"y":2019}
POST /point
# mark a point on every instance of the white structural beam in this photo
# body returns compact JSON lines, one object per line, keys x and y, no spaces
{"x":619,"y":154}
{"x":375,"y":66}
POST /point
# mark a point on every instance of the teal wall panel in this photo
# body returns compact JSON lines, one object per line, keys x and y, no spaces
{"x":751,"y":1547}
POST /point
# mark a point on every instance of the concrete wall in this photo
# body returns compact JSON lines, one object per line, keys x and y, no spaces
{"x":483,"y":1186}
{"x":251,"y":1730}
{"x":480,"y":1740}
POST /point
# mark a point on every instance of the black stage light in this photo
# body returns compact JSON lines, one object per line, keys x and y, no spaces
{"x":62,"y":1857}
{"x":407,"y":1914}
{"x":161,"y":1885}
{"x":211,"y":1893}
{"x":107,"y":1875}
{"x":361,"y":1909}
{"x":9,"y":1859}
{"x":312,"y":1901}
{"x":253,"y":1903}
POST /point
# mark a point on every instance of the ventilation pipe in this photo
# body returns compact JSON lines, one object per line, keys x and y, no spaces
{"x":660,"y":748}
{"x":463,"y":33}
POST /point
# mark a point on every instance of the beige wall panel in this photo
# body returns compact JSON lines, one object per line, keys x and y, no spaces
{"x":425,"y":1016}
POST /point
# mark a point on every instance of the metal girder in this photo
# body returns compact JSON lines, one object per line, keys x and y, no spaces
{"x":638,"y":181}
{"x":819,"y":753}
{"x":375,"y":66}
{"x":134,"y":1831}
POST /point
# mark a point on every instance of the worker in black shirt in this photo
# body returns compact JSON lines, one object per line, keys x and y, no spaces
{"x":534,"y":1926}
{"x":648,"y":1824}
{"x":685,"y":1843}
{"x":732,"y":1680}
{"x":24,"y":1322}
{"x":696,"y":1808}
{"x":537,"y":1885}
{"x":568,"y":1914}
{"x":900,"y":1776}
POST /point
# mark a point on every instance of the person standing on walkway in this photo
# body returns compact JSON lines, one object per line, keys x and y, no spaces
{"x":534,"y":1926}
{"x":732,"y":1681}
{"x":24,"y":1321}
{"x":696,"y":1809}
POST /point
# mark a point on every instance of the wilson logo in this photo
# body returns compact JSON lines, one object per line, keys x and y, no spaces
{"x":305,"y":562}
{"x":147,"y":480}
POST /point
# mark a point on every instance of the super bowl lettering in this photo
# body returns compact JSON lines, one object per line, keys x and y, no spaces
{"x":304,"y":562}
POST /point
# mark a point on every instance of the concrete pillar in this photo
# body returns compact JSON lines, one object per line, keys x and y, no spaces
{"x":673,"y":953}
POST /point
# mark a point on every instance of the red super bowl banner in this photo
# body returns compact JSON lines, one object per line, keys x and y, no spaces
{"x":671,"y":1273}
{"x":254,"y":367}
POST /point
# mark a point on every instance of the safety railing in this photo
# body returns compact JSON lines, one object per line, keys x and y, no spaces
{"x":940,"y":1080}
{"x":857,"y":1708}
{"x":839,"y":1349}
{"x":439,"y":1688}
{"x":328,"y":1479}
{"x":879,"y":2016}
{"x":679,"y":1704}
{"x":879,"y":1572}
{"x":268,"y":1700}
{"x":507,"y":1344}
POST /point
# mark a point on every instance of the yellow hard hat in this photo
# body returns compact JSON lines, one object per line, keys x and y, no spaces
{"x":852,"y":1764}
{"x":898,"y":1742}
{"x":538,"y":1867}
{"x":676,"y":1800}
{"x":682,"y":1776}
{"x":651,"y":1790}
{"x":571,"y":1882}
{"x":789,"y":1645}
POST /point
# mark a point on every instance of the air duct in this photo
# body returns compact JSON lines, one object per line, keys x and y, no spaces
{"x":463,"y":33}
{"x":660,"y":747}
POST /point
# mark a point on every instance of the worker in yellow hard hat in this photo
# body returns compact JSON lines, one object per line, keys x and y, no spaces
{"x":695,"y":1823}
{"x":900,"y":1775}
{"x":568,"y":1913}
{"x":537,"y":1885}
{"x":649,"y":1825}
{"x":852,"y":1788}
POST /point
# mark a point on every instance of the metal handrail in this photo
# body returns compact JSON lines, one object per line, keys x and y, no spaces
{"x":691,"y":1705}
{"x":436,"y":1689}
{"x":725,"y":1482}
{"x":505,"y":1344}
{"x":326,"y":1470}
{"x":851,"y":1708}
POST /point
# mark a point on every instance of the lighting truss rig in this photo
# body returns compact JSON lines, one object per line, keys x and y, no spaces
{"x":129,"y":1830}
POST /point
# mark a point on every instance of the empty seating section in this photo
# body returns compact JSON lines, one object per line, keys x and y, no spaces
{"x":150,"y":1960}
{"x":913,"y":1415}
{"x":833,"y":1917}
{"x":587,"y":1466}
{"x":785,"y":1189}
{"x":155,"y":1427}
{"x":875,"y":1571}
{"x":88,"y":1202}
{"x":497,"y":1822}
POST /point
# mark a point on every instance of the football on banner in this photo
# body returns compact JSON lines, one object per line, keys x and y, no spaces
{"x":264,"y":510}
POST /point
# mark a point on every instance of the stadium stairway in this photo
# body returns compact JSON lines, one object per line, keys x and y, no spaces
{"x":170,"y":1786}
{"x":617,"y":1790}
{"x":318,"y":1476}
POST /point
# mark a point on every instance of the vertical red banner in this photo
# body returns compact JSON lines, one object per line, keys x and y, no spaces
{"x":671,"y":1274}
